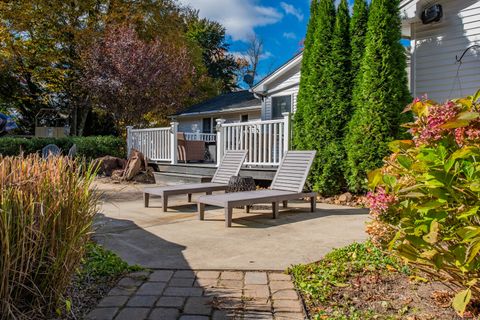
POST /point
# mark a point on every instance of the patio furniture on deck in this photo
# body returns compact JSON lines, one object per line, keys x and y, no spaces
{"x":287,"y":185}
{"x":190,"y":150}
{"x":50,"y":150}
{"x":230,"y":166}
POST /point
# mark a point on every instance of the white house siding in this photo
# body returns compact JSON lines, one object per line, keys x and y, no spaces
{"x":286,"y":85}
{"x":185,"y":124}
{"x":435,"y":46}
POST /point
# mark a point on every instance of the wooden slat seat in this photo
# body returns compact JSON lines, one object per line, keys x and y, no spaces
{"x":230,"y":166}
{"x":287,"y":185}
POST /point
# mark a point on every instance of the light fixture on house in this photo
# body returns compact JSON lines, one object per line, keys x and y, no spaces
{"x":432,"y":14}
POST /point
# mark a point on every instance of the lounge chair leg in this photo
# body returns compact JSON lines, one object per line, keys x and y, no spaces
{"x":146,"y":198}
{"x":275,"y":210}
{"x":285,"y":204}
{"x":189,"y":197}
{"x":165,"y":203}
{"x":228,"y":216}
{"x":201,"y":211}
{"x":313,"y":204}
{"x":247,"y":209}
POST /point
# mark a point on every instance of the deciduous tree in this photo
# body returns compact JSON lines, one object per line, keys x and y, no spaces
{"x":138,"y":80}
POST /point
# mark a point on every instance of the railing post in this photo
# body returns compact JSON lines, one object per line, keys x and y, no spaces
{"x":287,"y":131}
{"x":129,"y":140}
{"x":173,"y":142}
{"x":220,"y":140}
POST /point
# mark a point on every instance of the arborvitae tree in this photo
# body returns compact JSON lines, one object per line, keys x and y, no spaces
{"x":313,"y":94}
{"x":334,"y":115}
{"x":358,"y":32}
{"x":383,"y":94}
{"x":305,"y":94}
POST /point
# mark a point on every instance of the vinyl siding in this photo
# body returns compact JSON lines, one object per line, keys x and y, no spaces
{"x":435,"y":47}
{"x":287,"y":85}
{"x":186,"y":124}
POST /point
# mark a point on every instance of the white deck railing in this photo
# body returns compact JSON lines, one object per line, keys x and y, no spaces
{"x":207,"y":137}
{"x":155,"y":144}
{"x":265,"y":141}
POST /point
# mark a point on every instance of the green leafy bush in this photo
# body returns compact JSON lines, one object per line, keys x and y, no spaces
{"x":426,"y":199}
{"x":317,"y":281}
{"x":100,"y":262}
{"x":46,"y":211}
{"x":89,"y":147}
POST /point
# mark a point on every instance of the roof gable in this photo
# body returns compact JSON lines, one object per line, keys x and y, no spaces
{"x":225,"y":102}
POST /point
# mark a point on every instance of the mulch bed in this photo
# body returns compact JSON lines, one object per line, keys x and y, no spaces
{"x":85,"y":294}
{"x":394,"y":296}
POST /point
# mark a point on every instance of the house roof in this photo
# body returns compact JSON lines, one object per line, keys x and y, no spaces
{"x":228,"y":102}
{"x":284,"y":68}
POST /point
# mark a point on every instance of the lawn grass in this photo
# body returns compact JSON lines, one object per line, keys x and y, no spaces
{"x":318,"y":281}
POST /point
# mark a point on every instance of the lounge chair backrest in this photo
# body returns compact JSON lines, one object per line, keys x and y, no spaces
{"x":293,"y":171}
{"x":230,"y":166}
{"x":72,"y":152}
{"x":51,"y":150}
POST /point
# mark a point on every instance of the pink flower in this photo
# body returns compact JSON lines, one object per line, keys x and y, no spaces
{"x":380,"y":201}
{"x":438,"y":116}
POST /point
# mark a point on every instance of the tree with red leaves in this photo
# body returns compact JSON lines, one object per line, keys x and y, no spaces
{"x":138,"y":81}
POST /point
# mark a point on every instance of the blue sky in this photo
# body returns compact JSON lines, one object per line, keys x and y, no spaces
{"x":281,"y":24}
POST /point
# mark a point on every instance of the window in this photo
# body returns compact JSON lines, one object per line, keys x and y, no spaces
{"x":244,"y":118}
{"x":207,"y":125}
{"x":280,"y":105}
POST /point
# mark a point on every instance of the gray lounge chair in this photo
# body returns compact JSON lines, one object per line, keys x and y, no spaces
{"x":287,"y":185}
{"x":230,"y":166}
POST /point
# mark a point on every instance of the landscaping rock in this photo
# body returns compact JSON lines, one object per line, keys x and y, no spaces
{"x":346,"y":197}
{"x":108,"y":164}
{"x":135,"y":164}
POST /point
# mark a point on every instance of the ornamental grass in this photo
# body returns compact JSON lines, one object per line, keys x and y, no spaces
{"x":46,"y":212}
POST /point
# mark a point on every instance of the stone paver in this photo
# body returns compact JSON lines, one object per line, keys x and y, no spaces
{"x":151,"y":288}
{"x":164,"y":314}
{"x":256,"y":278}
{"x":133,"y":313}
{"x":161,"y":275}
{"x":142,"y":301}
{"x":102,"y":314}
{"x":189,"y":295}
{"x":232,"y":275}
{"x":113,"y":301}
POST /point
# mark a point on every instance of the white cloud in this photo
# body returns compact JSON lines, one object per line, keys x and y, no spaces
{"x":290,"y":9}
{"x":239,"y":17}
{"x":264,"y":56}
{"x":289,"y":35}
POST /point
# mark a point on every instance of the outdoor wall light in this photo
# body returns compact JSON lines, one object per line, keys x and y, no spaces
{"x":432,"y":14}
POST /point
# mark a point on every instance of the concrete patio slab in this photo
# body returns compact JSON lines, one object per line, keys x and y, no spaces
{"x":178,"y":240}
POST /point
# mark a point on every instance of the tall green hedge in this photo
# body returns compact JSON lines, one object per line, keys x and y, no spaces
{"x":383,"y":94}
{"x":334,"y":114}
{"x":305,"y":92}
{"x":314,"y":95}
{"x":89,"y":147}
{"x":358,"y":32}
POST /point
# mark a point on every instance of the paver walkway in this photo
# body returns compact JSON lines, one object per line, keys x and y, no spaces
{"x":189,"y":295}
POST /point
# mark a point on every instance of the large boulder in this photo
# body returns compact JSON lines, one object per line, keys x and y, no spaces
{"x":108,"y":164}
{"x":136,"y":163}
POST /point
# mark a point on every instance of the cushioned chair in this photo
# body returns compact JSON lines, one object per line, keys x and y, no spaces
{"x":190,"y":150}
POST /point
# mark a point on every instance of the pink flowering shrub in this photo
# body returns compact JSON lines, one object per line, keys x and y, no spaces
{"x":425,"y":201}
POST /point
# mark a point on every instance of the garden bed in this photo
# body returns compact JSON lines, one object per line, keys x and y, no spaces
{"x":361,"y":282}
{"x":98,"y":274}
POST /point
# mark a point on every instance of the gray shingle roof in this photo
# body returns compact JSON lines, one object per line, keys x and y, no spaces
{"x":225,"y":102}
